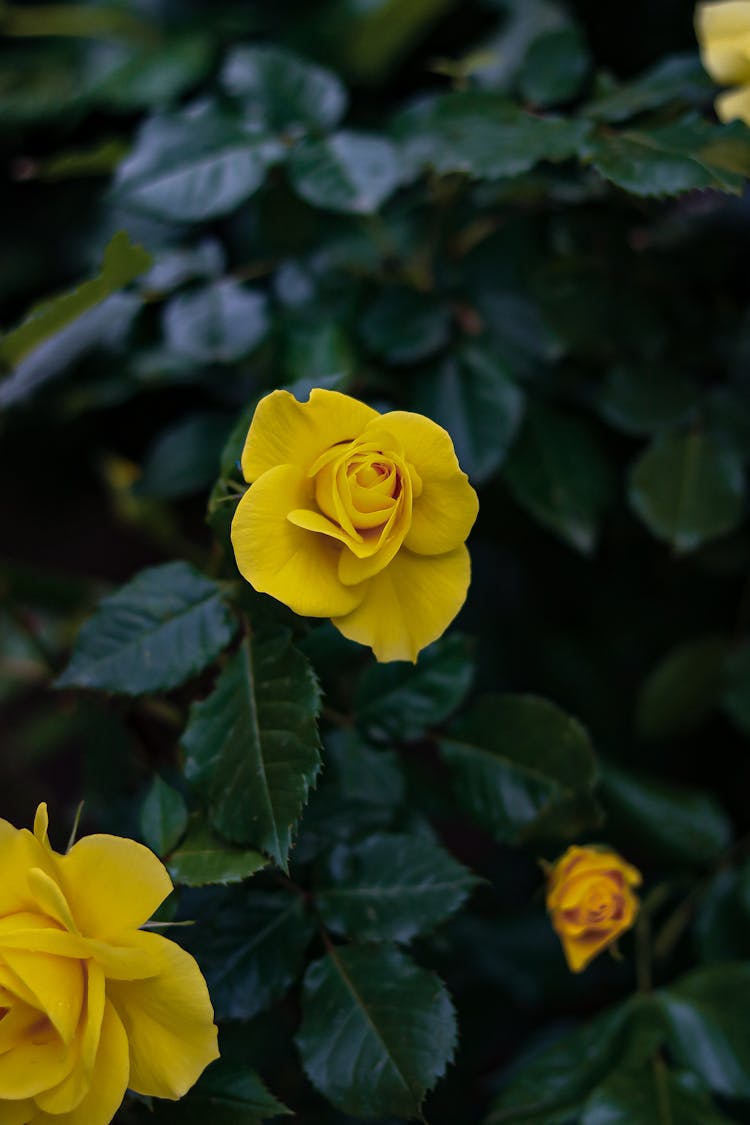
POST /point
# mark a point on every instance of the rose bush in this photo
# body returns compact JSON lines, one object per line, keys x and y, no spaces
{"x":723,"y":31}
{"x":356,"y":516}
{"x":89,"y":1003}
{"x":591,"y":902}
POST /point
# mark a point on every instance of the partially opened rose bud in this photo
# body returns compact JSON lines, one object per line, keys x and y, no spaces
{"x":90,"y":1004}
{"x":591,"y":902}
{"x":356,"y":516}
{"x":723,"y":31}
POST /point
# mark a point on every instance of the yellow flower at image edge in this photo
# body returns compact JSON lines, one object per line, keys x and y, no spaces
{"x":89,"y":1003}
{"x":591,"y":902}
{"x":356,"y":516}
{"x":723,"y":31}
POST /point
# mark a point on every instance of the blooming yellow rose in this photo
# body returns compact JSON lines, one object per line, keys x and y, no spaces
{"x":89,"y":1003}
{"x":356,"y":516}
{"x":723,"y":31}
{"x":590,"y":901}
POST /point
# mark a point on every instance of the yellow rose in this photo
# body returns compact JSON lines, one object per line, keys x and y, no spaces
{"x":723,"y":31}
{"x":89,"y":1003}
{"x":590,"y":900}
{"x":356,"y":516}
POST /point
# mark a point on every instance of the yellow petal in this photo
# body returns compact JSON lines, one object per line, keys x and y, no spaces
{"x":287,"y":432}
{"x":33,"y":1066}
{"x":50,"y":898}
{"x":409,"y":604}
{"x":17,"y":1113}
{"x":734,"y":105}
{"x":109,"y":1079}
{"x":292,"y":564}
{"x":723,"y":31}
{"x":56,"y":983}
{"x":579,"y":952}
{"x":19,"y":852}
{"x":112,"y":884}
{"x":69,"y":1093}
{"x":31,"y":932}
{"x":444,"y":512}
{"x":169,"y":1021}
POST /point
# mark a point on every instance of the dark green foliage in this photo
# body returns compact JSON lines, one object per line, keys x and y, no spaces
{"x":522,"y":219}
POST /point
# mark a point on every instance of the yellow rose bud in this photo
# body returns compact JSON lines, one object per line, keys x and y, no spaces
{"x":590,"y":901}
{"x":90,"y":1004}
{"x":723,"y":31}
{"x":356,"y":516}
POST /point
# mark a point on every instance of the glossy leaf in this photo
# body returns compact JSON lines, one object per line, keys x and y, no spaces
{"x":184,"y":459}
{"x":189,"y":167}
{"x":160,"y":629}
{"x":402,"y":701}
{"x":218,"y":323}
{"x":646,"y":400}
{"x":377,"y":1031}
{"x":555,"y":67}
{"x":678,"y":78}
{"x":364,"y":774}
{"x":164,"y":816}
{"x":250,"y":945}
{"x":391,"y":888}
{"x":122,"y":263}
{"x":484,"y":136}
{"x":687,"y":489}
{"x":203,"y":860}
{"x":280,"y":91}
{"x":671,"y":159}
{"x":706,"y":1013}
{"x":676,"y":820}
{"x":473,"y":396}
{"x":647,"y":1094}
{"x":354,"y":173}
{"x":227,"y":1094}
{"x":403,"y":327}
{"x":521,"y":767}
{"x":558,"y":473}
{"x":253,"y":744}
{"x":682,"y":689}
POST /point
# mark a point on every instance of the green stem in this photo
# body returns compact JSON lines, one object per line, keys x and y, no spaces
{"x":661,"y":1078}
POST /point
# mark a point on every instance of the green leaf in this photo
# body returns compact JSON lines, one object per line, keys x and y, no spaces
{"x":226,"y":1094}
{"x":677,"y":821}
{"x":350,"y":172}
{"x":391,"y":888}
{"x":735,"y":699}
{"x":127,"y":76}
{"x":687,"y":489}
{"x":377,"y":1031}
{"x":254,"y":744}
{"x":555,"y":67}
{"x":123,"y":262}
{"x":647,"y":1095}
{"x":184,"y":459}
{"x":679,"y":78}
{"x":401,"y":701}
{"x":645,"y":400}
{"x":683,"y":688}
{"x":402,"y":326}
{"x":192,"y":166}
{"x":522,"y":767}
{"x":483,"y":135}
{"x":160,"y":629}
{"x":558,"y":473}
{"x":706,"y":1014}
{"x":203,"y":860}
{"x":473,"y":396}
{"x":280,"y":92}
{"x":251,"y":947}
{"x":554,"y":1085}
{"x":217,"y":323}
{"x":363,"y":774}
{"x":690,"y":155}
{"x":164,"y":816}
